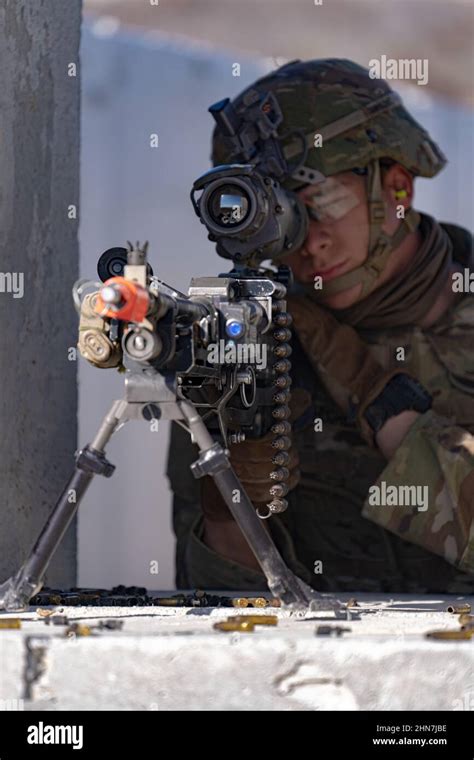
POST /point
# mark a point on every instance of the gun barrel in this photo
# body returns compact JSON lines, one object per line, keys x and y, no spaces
{"x":184,"y":306}
{"x":124,"y":299}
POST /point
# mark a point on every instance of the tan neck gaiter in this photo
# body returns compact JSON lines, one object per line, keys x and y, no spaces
{"x":407,"y":298}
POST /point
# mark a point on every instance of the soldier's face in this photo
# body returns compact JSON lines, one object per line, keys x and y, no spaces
{"x":338,"y":235}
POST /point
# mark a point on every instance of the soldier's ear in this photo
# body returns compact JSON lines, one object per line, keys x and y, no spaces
{"x":398,"y":186}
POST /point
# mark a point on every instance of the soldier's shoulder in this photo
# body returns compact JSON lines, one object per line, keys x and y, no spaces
{"x":463,"y":243}
{"x":463,"y":281}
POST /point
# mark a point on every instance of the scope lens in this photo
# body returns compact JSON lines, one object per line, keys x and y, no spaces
{"x":228,"y":205}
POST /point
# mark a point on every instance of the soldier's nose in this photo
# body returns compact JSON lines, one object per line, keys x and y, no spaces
{"x":317,"y":243}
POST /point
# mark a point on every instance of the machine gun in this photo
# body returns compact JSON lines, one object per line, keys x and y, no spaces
{"x":199,"y":359}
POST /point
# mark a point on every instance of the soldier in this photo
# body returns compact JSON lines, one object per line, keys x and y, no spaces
{"x":382,"y":467}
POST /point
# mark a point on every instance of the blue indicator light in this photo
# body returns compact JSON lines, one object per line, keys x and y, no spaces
{"x":234,"y":329}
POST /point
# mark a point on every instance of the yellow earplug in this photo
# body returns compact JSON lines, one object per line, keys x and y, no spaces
{"x":400,"y":193}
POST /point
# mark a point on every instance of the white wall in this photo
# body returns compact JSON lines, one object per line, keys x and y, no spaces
{"x":134,"y":86}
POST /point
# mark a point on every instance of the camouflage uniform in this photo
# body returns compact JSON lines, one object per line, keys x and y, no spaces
{"x":330,"y":520}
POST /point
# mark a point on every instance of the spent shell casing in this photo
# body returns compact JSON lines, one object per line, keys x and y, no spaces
{"x":10,"y":623}
{"x":79,"y":629}
{"x":241,"y":626}
{"x":457,"y":635}
{"x":255,"y":619}
{"x":458,"y":609}
{"x":44,"y":613}
{"x":352,"y":602}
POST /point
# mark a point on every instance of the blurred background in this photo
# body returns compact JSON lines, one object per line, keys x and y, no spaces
{"x":155,"y":69}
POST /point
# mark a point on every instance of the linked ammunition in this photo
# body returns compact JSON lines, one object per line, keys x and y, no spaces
{"x":258,"y":601}
{"x":133,"y":596}
{"x":241,"y":602}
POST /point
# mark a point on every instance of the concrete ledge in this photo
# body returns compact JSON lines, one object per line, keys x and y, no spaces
{"x":171,"y":658}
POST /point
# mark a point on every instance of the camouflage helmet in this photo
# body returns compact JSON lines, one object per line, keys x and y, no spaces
{"x":360,"y":120}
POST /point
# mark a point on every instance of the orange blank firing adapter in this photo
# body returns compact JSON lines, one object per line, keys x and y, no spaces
{"x":123,"y":299}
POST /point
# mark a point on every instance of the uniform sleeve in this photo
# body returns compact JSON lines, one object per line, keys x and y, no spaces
{"x":425,"y":494}
{"x":207,"y":569}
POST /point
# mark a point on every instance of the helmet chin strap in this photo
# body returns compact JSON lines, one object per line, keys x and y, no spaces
{"x":380,"y":244}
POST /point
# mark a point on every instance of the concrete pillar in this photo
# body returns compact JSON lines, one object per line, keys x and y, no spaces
{"x":39,"y":183}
